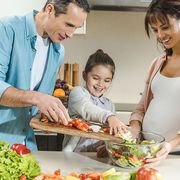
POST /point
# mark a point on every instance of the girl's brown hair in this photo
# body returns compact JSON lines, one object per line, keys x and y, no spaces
{"x":99,"y":58}
{"x":159,"y":10}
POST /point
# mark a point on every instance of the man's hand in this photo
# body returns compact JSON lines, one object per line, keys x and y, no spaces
{"x":48,"y":105}
{"x":161,"y":154}
{"x":53,"y":108}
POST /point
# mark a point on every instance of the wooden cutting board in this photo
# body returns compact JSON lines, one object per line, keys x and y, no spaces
{"x":57,"y":128}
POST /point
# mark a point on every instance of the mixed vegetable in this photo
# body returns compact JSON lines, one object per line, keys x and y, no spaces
{"x":111,"y":174}
{"x":75,"y":122}
{"x":17,"y":163}
{"x":132,"y":153}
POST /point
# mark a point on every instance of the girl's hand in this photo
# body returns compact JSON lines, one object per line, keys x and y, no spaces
{"x":161,"y":154}
{"x":116,"y":125}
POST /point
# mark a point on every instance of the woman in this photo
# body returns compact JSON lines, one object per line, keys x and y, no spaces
{"x":158,"y":110}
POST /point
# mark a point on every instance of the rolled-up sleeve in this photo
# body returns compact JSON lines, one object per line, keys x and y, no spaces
{"x":6,"y":39}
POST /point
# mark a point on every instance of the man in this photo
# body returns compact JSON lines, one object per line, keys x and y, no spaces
{"x":30,"y":56}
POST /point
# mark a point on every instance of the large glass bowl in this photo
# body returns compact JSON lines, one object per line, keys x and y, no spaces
{"x":131,"y":155}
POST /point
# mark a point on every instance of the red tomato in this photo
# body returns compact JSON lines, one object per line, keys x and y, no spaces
{"x":79,"y":124}
{"x":76,"y":121}
{"x":82,"y":176}
{"x":93,"y":176}
{"x":81,"y":127}
{"x":23,"y":177}
{"x":117,"y":155}
{"x":14,"y":146}
{"x":74,"y":174}
{"x":18,"y":146}
{"x":106,"y":130}
{"x":133,"y":158}
{"x":70,"y":124}
{"x":23,"y":151}
{"x":145,"y":173}
{"x":20,"y":149}
{"x":57,"y":172}
{"x":85,"y":125}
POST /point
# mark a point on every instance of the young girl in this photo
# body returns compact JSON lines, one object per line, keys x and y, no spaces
{"x":89,"y":103}
{"x":158,"y":109}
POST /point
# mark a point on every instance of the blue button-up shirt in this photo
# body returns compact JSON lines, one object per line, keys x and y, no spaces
{"x":17,"y":52}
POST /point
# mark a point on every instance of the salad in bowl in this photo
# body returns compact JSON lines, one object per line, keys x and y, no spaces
{"x":133,"y":151}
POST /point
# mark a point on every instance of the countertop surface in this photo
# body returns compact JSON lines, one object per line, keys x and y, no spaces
{"x":84,"y":162}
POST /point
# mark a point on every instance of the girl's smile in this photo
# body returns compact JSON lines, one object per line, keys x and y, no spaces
{"x":99,"y":79}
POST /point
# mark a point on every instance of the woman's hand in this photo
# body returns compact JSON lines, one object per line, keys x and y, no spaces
{"x":116,"y":125}
{"x":135,"y":128}
{"x":135,"y":125}
{"x":166,"y":148}
{"x":161,"y":154}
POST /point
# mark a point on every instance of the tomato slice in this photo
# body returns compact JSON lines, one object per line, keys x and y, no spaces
{"x":81,"y":127}
{"x":106,"y":130}
{"x":23,"y":151}
{"x":18,"y":146}
{"x":57,"y":172}
{"x":83,"y":176}
{"x":76,"y":122}
{"x":20,"y":149}
{"x":117,"y":155}
{"x":23,"y":177}
{"x":85,"y":125}
{"x":93,"y":176}
{"x":70,"y":124}
{"x":79,"y":124}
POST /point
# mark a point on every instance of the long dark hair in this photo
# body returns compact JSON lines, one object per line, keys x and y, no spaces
{"x":159,"y":10}
{"x":60,"y":6}
{"x":99,"y":58}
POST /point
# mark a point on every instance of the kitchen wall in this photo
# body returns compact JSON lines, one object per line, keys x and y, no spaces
{"x":19,"y":7}
{"x":122,"y":36}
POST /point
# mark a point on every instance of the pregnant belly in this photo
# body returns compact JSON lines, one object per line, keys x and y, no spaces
{"x":161,"y":120}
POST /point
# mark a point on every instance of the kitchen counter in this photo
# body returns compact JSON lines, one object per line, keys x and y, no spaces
{"x":125,"y":107}
{"x":84,"y":162}
{"x":124,"y":110}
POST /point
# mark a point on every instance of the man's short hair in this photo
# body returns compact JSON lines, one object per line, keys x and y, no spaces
{"x":60,"y":6}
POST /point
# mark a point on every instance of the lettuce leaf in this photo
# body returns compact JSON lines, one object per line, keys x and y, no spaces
{"x":12,"y":165}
